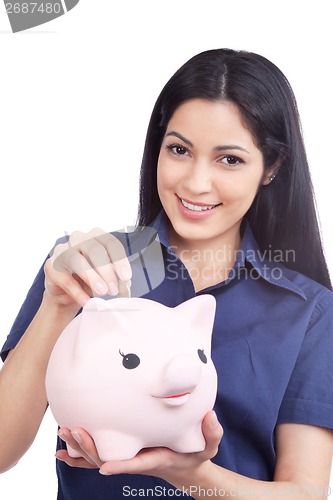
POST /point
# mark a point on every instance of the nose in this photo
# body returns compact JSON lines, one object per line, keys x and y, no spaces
{"x":181,"y":374}
{"x":199,"y":178}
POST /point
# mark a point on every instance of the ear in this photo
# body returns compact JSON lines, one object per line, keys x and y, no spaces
{"x":271,"y":173}
{"x":200,"y":311}
{"x":269,"y":177}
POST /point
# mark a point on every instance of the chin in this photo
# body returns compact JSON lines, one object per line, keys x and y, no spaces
{"x":191,"y":234}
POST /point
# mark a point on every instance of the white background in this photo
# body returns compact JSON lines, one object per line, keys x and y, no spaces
{"x":76,"y":96}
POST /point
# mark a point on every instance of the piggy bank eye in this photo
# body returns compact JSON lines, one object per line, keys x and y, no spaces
{"x":202,"y":355}
{"x":130,"y":360}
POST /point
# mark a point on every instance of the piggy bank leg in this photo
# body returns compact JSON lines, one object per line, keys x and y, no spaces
{"x":113,"y":445}
{"x":189,"y":442}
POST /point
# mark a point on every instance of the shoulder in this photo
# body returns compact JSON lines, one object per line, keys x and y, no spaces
{"x":312,"y":290}
{"x":272,"y":266}
{"x":315,"y":303}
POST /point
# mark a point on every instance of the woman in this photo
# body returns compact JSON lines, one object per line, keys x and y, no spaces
{"x":225,"y":184}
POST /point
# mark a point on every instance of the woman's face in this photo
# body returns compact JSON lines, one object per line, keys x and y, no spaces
{"x":209,"y":172}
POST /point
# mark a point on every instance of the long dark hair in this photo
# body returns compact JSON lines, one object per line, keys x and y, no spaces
{"x":283,"y":215}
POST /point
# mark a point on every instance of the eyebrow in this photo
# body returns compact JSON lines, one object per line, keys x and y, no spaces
{"x":231,"y":146}
{"x":181,"y":137}
{"x":218,"y":148}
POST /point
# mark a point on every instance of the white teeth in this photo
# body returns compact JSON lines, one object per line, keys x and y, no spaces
{"x":197,"y":208}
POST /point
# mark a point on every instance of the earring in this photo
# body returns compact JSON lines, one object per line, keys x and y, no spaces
{"x":272,"y":177}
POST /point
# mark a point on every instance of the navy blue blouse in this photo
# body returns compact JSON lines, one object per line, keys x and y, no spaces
{"x":272,"y":347}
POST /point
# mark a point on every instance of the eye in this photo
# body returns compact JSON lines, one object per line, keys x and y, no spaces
{"x":130,"y":360}
{"x":202,"y":355}
{"x":177,"y":149}
{"x":231,"y":160}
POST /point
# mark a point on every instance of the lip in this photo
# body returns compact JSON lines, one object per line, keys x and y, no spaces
{"x":177,"y":395}
{"x":176,"y":399}
{"x":191,"y":214}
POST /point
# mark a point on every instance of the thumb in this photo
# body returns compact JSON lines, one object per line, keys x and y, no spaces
{"x":213,"y":432}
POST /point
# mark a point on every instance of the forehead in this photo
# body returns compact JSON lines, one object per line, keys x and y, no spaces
{"x":216,"y":121}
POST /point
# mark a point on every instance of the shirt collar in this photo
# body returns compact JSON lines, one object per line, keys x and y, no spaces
{"x":272,"y":271}
{"x":160,"y":224}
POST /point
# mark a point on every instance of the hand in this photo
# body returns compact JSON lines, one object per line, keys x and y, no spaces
{"x":160,"y":462}
{"x":89,"y":264}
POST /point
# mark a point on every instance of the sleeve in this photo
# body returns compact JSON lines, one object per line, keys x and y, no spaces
{"x":309,"y":395}
{"x":27,"y":312}
{"x":29,"y":307}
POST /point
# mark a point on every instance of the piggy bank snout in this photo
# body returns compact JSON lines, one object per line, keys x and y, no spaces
{"x":182,"y":373}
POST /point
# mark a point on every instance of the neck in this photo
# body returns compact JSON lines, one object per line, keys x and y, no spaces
{"x":208,"y":261}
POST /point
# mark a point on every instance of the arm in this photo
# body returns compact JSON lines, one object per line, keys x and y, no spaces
{"x":22,"y":388}
{"x":70,"y":276}
{"x":304,"y":457}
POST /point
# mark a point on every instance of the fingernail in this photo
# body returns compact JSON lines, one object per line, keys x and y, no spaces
{"x":104,"y":473}
{"x":61,"y":435}
{"x":77,"y":437}
{"x":213,"y":421}
{"x":113,"y":288}
{"x":125,"y":274}
{"x":101,"y":288}
{"x":128,"y":286}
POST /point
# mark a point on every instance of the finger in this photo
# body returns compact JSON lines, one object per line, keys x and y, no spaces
{"x":99,"y":260}
{"x":103,"y":251}
{"x":57,"y":285}
{"x":87,"y":445}
{"x":145,"y":462}
{"x":113,"y":246}
{"x":117,"y":254}
{"x":124,"y":288}
{"x":74,"y":462}
{"x":213,"y":432}
{"x":77,"y":264}
{"x":66,"y":436}
{"x":108,"y":257}
{"x":69,"y":261}
{"x":81,"y":443}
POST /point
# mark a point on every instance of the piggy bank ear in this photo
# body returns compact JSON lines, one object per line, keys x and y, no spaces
{"x":201,"y":311}
{"x":97,"y":324}
{"x":95,"y":304}
{"x":98,"y":317}
{"x":108,"y":316}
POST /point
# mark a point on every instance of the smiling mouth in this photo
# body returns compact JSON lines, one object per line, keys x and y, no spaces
{"x":177,"y":395}
{"x":175,"y":399}
{"x":198,"y":208}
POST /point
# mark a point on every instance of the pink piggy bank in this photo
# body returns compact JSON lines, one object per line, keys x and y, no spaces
{"x":135,"y":373}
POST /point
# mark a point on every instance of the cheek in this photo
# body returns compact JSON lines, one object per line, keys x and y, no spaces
{"x":238,"y":189}
{"x":162,"y":181}
{"x":167,"y":176}
{"x":160,"y":176}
